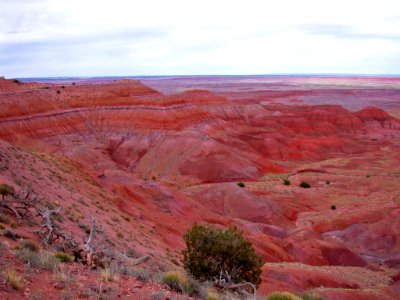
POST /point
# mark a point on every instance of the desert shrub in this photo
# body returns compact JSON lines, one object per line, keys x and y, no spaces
{"x":286,"y":181}
{"x":64,"y":257}
{"x":27,"y":244}
{"x":6,"y":190}
{"x":42,"y":260}
{"x":282,"y":296}
{"x":4,"y":219}
{"x":2,"y":227}
{"x":241,"y":184}
{"x":11,"y":234}
{"x":305,"y":185}
{"x":328,"y":182}
{"x":211,"y":250}
{"x":13,"y":279}
{"x":333,"y":207}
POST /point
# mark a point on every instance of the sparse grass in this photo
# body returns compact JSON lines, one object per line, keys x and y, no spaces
{"x":282,"y":296}
{"x":64,"y":257}
{"x":13,"y":279}
{"x":109,"y":274}
{"x":305,"y":185}
{"x":181,"y":283}
{"x":43,"y":259}
{"x":63,"y":277}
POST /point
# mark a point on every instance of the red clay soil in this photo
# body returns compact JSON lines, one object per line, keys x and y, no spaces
{"x":148,"y":165}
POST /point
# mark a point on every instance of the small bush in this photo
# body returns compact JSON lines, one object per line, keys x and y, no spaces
{"x":283,"y":296}
{"x":305,"y":185}
{"x":6,"y":190}
{"x":27,"y":244}
{"x":333,"y":207}
{"x":64,"y":257}
{"x":328,"y":182}
{"x":2,"y":227}
{"x":13,"y":279}
{"x":241,"y":184}
{"x":286,"y":181}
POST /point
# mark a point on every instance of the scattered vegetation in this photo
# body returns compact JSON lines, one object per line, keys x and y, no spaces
{"x":305,"y":185}
{"x":241,"y":184}
{"x":286,"y":181}
{"x":221,"y":253}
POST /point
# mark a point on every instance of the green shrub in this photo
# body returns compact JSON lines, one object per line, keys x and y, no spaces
{"x":282,"y":296}
{"x":64,"y":257}
{"x":241,"y":184}
{"x":286,"y":181}
{"x":305,"y":185}
{"x":211,"y":250}
{"x":6,"y":190}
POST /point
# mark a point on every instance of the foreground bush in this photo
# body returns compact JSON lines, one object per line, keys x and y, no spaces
{"x":211,"y":250}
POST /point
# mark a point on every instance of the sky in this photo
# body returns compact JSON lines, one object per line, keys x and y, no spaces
{"x":43,"y":38}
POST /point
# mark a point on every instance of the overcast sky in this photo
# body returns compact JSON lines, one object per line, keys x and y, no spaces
{"x":170,"y":37}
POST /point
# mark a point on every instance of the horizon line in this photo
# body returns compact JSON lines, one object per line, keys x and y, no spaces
{"x":213,"y":75}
